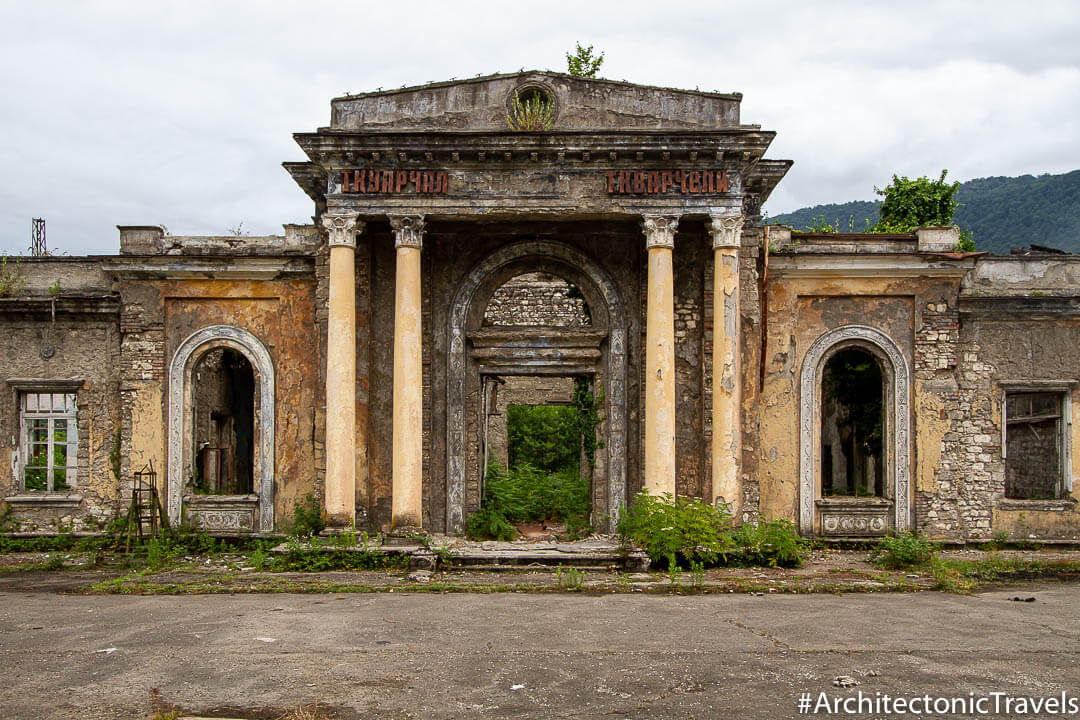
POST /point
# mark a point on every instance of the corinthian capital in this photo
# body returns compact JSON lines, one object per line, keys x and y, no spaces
{"x":408,"y":230}
{"x":659,"y":230}
{"x":726,"y":230}
{"x":343,"y":229}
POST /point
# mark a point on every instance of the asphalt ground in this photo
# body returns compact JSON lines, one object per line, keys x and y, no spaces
{"x":528,"y":655}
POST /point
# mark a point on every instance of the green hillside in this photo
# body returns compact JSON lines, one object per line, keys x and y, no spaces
{"x":1003,"y":212}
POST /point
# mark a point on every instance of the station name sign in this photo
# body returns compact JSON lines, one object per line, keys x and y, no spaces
{"x":661,"y":182}
{"x":395,"y":182}
{"x":618,"y":182}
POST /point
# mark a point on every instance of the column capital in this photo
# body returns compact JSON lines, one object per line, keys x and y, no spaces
{"x":408,"y":230}
{"x":343,"y":228}
{"x":726,"y":230}
{"x":659,"y":230}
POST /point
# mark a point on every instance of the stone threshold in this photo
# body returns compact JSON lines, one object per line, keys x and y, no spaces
{"x":444,"y":551}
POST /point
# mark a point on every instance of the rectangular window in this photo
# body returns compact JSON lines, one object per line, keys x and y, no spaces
{"x":1034,"y":445}
{"x":49,"y":439}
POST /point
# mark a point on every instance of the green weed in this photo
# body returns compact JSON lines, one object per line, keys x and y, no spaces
{"x":775,"y":543}
{"x":668,"y":528}
{"x":308,"y":518}
{"x":259,"y":559}
{"x":697,"y":573}
{"x":685,"y":531}
{"x":570,"y":578}
{"x":895,"y":552}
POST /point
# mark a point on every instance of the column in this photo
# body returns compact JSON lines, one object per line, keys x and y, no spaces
{"x":660,"y":356}
{"x":341,"y":370}
{"x":726,"y":231}
{"x":406,"y":508}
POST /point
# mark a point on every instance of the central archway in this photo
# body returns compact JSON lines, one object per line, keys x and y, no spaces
{"x":552,"y":352}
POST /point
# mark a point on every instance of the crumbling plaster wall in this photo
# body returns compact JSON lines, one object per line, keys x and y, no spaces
{"x":1007,"y":328}
{"x":693,"y":251}
{"x":1000,"y":349}
{"x":86,"y":348}
{"x":802,"y":309}
{"x":70,"y":334}
{"x":159,"y":315}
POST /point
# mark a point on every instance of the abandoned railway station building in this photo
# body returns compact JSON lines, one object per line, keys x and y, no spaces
{"x":465,"y":257}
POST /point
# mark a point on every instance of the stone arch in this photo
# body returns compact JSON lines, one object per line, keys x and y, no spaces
{"x":180,"y":430}
{"x":897,"y":377}
{"x":608,"y":313}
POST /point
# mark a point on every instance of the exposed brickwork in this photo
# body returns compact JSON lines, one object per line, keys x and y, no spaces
{"x":536,"y":299}
{"x":961,"y":504}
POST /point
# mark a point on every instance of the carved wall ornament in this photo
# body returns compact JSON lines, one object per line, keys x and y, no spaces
{"x":343,"y":229}
{"x":408,"y":230}
{"x":222,"y":519}
{"x":898,"y":418}
{"x":660,"y":230}
{"x":725,"y":230}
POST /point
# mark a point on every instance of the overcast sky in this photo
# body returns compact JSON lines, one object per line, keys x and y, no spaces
{"x":180,"y":114}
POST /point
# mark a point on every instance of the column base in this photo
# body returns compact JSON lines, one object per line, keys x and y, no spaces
{"x":405,"y":535}
{"x":340,"y":523}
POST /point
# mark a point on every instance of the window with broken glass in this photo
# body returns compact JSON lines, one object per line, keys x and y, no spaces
{"x":49,"y":441}
{"x":1034,"y":445}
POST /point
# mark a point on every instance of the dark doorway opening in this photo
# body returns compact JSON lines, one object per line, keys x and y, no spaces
{"x":853,"y":426}
{"x":223,"y":393}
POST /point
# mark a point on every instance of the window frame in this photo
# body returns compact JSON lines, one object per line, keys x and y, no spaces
{"x":1064,"y":390}
{"x":23,"y":389}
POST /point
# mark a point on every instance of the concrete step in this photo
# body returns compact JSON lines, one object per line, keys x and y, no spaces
{"x":494,"y":555}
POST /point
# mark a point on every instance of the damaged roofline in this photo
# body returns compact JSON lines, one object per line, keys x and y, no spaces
{"x":737,"y":96}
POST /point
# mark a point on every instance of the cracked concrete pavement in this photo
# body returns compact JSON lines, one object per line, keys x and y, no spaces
{"x":402,"y":655}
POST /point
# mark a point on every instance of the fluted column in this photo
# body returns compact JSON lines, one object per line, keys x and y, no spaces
{"x":406,"y":509}
{"x":726,"y":232}
{"x":660,"y":356}
{"x":341,"y":370}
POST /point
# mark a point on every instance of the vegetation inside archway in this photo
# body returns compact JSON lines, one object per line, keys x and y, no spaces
{"x":551,"y":451}
{"x":853,"y":425}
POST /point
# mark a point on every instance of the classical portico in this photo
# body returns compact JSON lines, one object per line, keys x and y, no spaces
{"x":430,"y":202}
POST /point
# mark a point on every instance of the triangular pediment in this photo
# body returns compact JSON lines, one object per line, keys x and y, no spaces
{"x":482,"y":104}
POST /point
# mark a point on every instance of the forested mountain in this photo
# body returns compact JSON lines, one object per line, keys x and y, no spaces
{"x":1002,"y":212}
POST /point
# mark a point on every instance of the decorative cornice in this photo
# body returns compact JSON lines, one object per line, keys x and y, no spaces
{"x":833,"y":266}
{"x":726,"y":230}
{"x":177,"y":267}
{"x":46,"y":384}
{"x":408,"y":230}
{"x":343,"y":229}
{"x":660,"y":230}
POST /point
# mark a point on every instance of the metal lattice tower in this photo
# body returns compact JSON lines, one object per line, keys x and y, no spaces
{"x":37,"y":238}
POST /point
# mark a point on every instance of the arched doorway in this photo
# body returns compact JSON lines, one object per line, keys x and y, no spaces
{"x":221,"y":431}
{"x":479,"y":351}
{"x":854,"y":440}
{"x":539,"y":456}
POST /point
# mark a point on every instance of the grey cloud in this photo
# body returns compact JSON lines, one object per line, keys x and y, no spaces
{"x":181,"y":113}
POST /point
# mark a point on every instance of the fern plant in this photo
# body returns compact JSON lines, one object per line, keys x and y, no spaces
{"x":534,"y":114}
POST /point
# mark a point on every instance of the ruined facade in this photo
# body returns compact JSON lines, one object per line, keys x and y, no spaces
{"x":854,"y":384}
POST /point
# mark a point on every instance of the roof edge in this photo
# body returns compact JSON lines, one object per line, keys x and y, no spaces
{"x":737,"y":96}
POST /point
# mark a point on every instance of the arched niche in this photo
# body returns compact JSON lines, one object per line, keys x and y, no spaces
{"x":225,"y":512}
{"x":854,"y":517}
